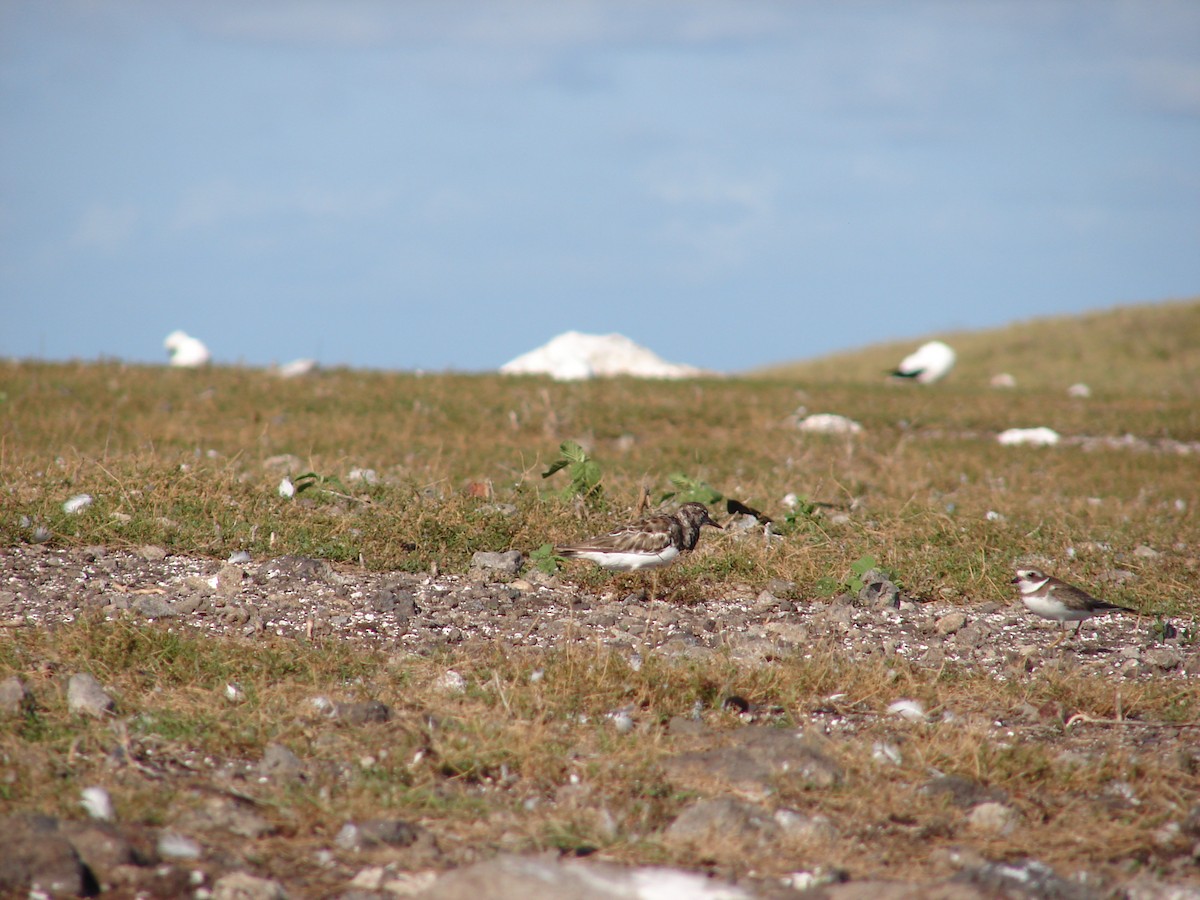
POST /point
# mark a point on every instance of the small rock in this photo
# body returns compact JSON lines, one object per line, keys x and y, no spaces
{"x":225,"y":814}
{"x":1079,"y":390}
{"x":1165,"y":658}
{"x":950,"y":623}
{"x":368,"y":879}
{"x":1145,"y":551}
{"x":154,"y":608}
{"x":244,"y":886}
{"x":707,"y":823}
{"x":280,"y":763}
{"x":363,"y":713}
{"x":85,"y":696}
{"x":15,"y":698}
{"x":993,"y":819}
{"x":451,"y":682}
{"x":229,"y":579}
{"x":509,"y":561}
{"x":1023,"y":878}
{"x":151,"y":553}
{"x":879,"y":592}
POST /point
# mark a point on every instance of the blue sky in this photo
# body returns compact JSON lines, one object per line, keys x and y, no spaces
{"x":450,"y":184}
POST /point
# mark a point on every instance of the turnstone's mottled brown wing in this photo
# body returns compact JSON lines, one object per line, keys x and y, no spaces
{"x":648,"y":536}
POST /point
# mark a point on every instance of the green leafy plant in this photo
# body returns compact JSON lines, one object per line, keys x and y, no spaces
{"x":583,"y":471}
{"x":853,"y":582}
{"x":802,"y":516}
{"x":688,"y":490}
{"x":545,"y":559}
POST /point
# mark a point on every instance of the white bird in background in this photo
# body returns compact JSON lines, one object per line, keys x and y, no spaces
{"x":187,"y":351}
{"x":927,"y":364}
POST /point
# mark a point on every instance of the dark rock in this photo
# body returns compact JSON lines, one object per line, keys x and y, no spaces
{"x":1025,"y":878}
{"x":37,"y":856}
{"x":364,"y":713}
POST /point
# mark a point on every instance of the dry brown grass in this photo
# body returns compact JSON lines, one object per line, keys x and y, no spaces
{"x":176,"y":458}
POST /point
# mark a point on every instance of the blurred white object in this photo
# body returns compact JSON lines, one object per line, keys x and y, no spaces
{"x":829,"y":423}
{"x":1033,"y":437}
{"x":913,"y":710}
{"x":297,"y":368}
{"x":78,"y":503}
{"x":928,"y":363}
{"x":287,"y":490}
{"x":186,"y":351}
{"x":573,"y":356}
{"x":1003,"y":380}
{"x":1079,"y":390}
{"x":97,"y":803}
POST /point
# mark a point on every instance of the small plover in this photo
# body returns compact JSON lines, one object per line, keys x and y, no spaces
{"x":1051,"y":598}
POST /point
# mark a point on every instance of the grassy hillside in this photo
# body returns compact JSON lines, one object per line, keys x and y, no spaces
{"x":529,"y":757}
{"x":1148,"y":350}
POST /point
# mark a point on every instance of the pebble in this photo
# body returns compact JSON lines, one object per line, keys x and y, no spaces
{"x":86,"y":697}
{"x":15,"y":698}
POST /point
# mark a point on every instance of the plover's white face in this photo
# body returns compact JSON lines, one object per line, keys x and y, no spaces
{"x":1030,"y":581}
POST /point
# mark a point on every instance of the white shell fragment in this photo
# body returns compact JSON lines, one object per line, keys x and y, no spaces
{"x":1031,"y":437}
{"x":828,"y":423}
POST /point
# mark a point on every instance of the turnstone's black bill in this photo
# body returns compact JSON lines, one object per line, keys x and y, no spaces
{"x":647,"y":544}
{"x":1051,"y":598}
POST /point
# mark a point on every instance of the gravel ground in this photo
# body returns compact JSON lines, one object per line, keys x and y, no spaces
{"x":293,"y":596}
{"x":286,"y":596}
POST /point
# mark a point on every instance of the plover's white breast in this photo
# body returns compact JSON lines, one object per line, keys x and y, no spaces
{"x":1050,"y":608}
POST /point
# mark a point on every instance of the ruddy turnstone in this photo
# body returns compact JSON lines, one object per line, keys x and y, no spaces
{"x":646,"y":544}
{"x":1051,"y":598}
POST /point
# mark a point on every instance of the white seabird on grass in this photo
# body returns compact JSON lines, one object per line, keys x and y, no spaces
{"x":927,"y":364}
{"x":186,"y":351}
